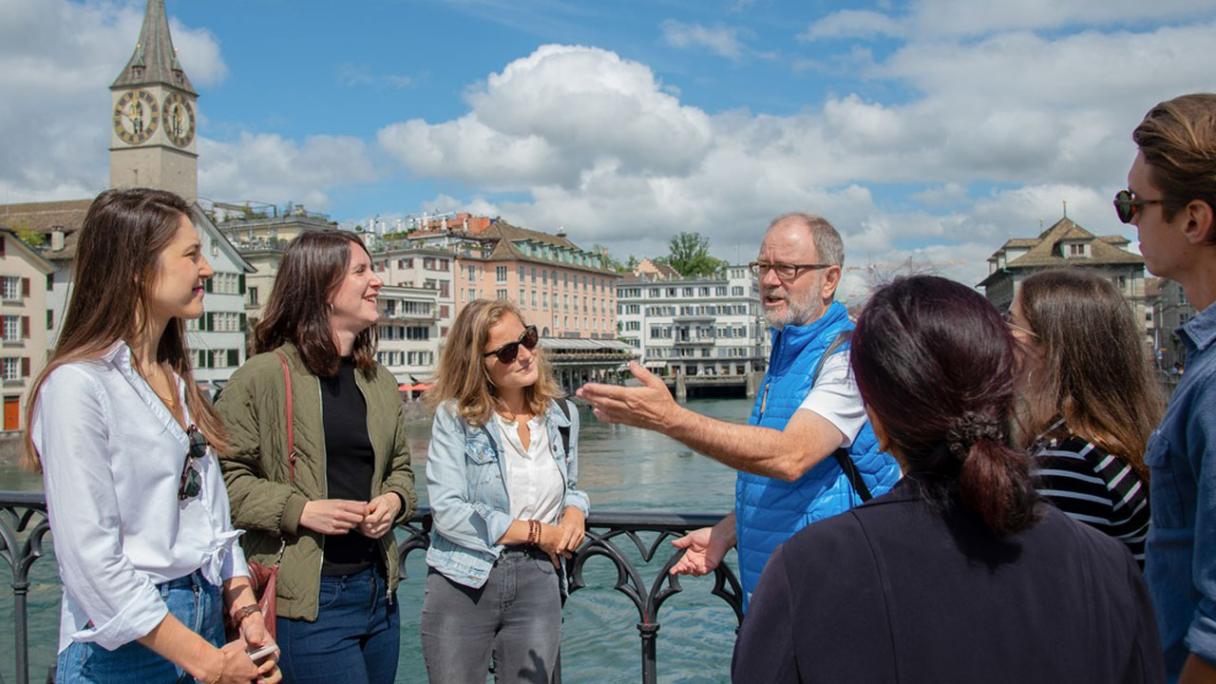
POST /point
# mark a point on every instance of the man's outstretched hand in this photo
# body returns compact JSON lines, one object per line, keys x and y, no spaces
{"x":650,"y":406}
{"x":704,"y":550}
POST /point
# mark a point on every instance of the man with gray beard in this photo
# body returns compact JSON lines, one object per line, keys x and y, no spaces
{"x":807,"y":452}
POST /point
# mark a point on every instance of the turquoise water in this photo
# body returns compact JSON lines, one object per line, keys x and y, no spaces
{"x":623,"y":469}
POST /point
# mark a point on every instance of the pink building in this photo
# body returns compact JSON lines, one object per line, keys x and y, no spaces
{"x":558,"y":286}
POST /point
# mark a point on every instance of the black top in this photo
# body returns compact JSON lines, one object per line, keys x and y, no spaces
{"x":1094,"y":487}
{"x":349,"y":467}
{"x":896,"y":590}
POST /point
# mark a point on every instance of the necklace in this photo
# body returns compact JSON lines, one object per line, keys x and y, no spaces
{"x":169,"y":401}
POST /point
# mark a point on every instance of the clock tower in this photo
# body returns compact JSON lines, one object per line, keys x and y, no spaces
{"x":153,"y":118}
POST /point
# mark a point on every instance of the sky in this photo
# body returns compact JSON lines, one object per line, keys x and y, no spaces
{"x":928,"y":130}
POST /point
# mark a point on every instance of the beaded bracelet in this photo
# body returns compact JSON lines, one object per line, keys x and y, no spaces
{"x":533,"y":532}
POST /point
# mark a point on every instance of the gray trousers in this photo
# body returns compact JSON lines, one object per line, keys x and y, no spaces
{"x":515,"y":618}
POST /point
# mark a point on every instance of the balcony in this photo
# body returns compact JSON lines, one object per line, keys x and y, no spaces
{"x":695,"y":341}
{"x":618,"y":537}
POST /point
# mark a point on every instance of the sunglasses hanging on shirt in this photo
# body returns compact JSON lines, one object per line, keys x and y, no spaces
{"x":192,"y":480}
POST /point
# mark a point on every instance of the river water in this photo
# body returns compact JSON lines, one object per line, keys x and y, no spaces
{"x":623,"y":469}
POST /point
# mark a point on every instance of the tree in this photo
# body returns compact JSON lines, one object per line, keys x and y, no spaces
{"x":689,"y":254}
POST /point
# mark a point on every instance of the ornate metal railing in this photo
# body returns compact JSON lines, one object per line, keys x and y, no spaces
{"x":612,"y":535}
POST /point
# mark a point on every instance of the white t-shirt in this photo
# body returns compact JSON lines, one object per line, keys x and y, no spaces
{"x":534,"y":482}
{"x":835,"y":397}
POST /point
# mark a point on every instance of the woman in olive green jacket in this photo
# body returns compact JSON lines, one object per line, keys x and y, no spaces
{"x":329,"y":506}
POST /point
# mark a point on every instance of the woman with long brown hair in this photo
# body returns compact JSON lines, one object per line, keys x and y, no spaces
{"x":126,"y":445}
{"x":501,"y":475}
{"x":959,"y":573}
{"x":319,"y":469}
{"x":1088,"y":399}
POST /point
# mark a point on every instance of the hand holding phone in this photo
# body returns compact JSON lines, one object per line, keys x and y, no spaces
{"x":257,"y":655}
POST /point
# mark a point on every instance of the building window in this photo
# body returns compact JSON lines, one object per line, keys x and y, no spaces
{"x":736,"y":291}
{"x":1076,"y":250}
{"x":10,"y":288}
{"x":12,"y":328}
{"x":12,"y":368}
{"x":500,"y":275}
{"x":500,"y":294}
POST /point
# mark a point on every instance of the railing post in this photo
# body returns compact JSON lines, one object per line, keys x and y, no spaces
{"x":649,"y":634}
{"x":20,"y":635}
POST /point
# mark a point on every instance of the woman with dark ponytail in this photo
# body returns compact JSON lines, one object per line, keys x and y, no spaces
{"x":960,"y":572}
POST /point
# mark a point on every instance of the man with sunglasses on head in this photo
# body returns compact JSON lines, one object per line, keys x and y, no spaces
{"x":1171,"y":199}
{"x":807,"y":452}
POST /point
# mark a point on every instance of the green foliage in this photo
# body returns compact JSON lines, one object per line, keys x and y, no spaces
{"x":689,"y":254}
{"x":29,"y":236}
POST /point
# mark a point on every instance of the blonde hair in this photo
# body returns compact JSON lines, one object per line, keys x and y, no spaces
{"x":462,"y":374}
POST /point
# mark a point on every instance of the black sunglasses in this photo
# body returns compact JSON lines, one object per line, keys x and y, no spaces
{"x":510,"y":350}
{"x":1126,"y":205}
{"x":192,"y":481}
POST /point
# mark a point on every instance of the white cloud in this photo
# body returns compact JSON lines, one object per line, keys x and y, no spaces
{"x":596,"y":144}
{"x":548,"y":117}
{"x":853,"y":24}
{"x":720,"y":40}
{"x":270,"y":168}
{"x":930,"y":20}
{"x":57,"y":60}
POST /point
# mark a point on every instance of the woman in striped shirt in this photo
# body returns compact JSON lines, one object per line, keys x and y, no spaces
{"x":1089,"y":399}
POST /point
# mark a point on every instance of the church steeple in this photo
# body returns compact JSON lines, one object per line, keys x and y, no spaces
{"x":153,"y":120}
{"x":154,"y":59}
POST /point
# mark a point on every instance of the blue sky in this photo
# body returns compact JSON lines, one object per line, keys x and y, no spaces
{"x":929,"y":130}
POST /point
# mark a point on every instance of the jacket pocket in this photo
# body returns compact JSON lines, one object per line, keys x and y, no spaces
{"x":1166,"y":496}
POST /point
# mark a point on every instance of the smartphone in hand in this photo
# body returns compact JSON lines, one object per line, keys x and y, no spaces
{"x":257,"y":655}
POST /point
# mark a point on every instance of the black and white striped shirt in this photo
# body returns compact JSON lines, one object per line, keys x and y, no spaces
{"x":1094,"y":487}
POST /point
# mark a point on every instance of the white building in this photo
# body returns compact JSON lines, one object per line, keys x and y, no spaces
{"x":696,"y":327}
{"x":408,"y":330}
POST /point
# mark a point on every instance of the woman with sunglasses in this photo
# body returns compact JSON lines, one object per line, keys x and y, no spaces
{"x":319,"y":470}
{"x":1088,"y":400}
{"x":501,"y":473}
{"x":146,"y":552}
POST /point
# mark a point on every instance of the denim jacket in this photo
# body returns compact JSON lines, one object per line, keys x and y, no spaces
{"x":466,"y":486}
{"x":1181,"y":551}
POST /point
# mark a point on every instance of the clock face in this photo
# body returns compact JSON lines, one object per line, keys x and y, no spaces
{"x":136,"y":116}
{"x":179,"y":119}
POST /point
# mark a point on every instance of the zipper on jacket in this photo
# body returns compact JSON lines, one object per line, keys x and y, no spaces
{"x":388,"y":592}
{"x":324,"y":477}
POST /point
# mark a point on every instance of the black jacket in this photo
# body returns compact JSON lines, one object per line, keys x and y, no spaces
{"x":897,"y":590}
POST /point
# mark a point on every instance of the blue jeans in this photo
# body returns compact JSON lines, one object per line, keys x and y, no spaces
{"x":193,"y":600}
{"x":355,"y":639}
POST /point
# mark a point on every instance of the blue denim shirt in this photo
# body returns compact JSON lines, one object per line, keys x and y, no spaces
{"x":1181,"y":552}
{"x":467,"y":490}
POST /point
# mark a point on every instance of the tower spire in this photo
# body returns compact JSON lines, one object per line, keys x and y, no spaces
{"x":154,"y":59}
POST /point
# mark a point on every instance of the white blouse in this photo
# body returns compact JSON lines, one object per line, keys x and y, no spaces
{"x":112,"y":458}
{"x":534,"y":482}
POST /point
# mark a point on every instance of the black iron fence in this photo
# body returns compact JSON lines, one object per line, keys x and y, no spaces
{"x":616,"y":536}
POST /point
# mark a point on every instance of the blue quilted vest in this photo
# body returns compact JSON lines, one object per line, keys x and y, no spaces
{"x":769,"y":511}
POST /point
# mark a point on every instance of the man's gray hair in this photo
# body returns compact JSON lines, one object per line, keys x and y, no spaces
{"x":826,"y":238}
